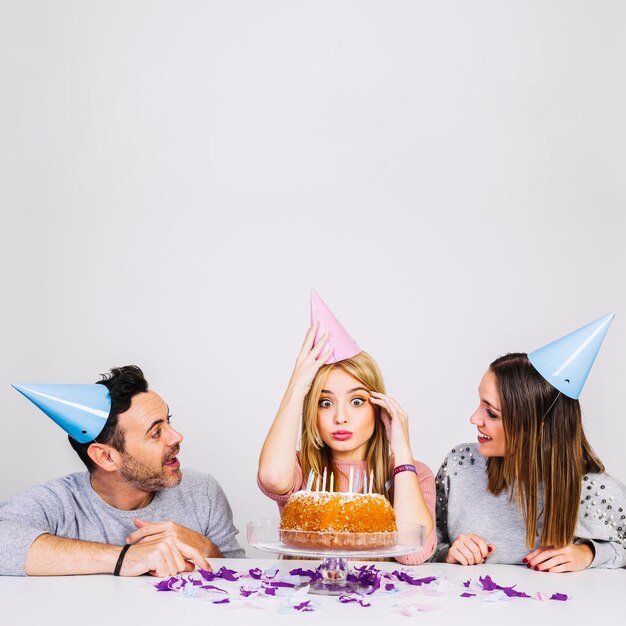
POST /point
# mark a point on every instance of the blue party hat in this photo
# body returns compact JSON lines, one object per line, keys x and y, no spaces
{"x":566,"y":362}
{"x":80,"y":410}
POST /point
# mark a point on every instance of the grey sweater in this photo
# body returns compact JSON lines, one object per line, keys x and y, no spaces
{"x":69,"y":507}
{"x":465,"y":506}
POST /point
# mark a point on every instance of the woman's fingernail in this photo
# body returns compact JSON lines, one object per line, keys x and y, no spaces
{"x":536,"y":568}
{"x":546,"y":570}
{"x":489,"y":548}
{"x":529,"y":565}
{"x":524,"y":560}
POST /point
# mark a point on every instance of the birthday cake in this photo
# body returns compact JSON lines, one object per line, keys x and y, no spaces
{"x":350,"y":521}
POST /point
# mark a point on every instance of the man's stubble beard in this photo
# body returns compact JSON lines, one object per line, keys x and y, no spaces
{"x":141,"y":477}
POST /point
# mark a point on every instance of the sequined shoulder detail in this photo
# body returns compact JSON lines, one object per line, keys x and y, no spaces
{"x":599,"y":501}
{"x":459,"y":458}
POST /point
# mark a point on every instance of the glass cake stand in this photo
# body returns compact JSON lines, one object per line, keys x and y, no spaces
{"x":265,"y":535}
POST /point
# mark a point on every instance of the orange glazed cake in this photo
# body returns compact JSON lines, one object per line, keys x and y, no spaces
{"x":352,"y":521}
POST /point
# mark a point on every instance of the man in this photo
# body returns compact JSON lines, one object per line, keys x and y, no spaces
{"x":134,"y":511}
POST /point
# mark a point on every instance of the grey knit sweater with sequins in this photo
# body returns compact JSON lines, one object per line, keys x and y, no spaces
{"x":465,"y":506}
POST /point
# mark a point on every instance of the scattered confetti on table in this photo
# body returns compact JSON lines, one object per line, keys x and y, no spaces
{"x":486,"y":590}
{"x":291,"y":592}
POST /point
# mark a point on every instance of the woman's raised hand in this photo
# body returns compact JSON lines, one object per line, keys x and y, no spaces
{"x":396,"y":423}
{"x":309,"y":361}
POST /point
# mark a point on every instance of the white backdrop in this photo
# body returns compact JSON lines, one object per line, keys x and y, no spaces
{"x":175,"y":176}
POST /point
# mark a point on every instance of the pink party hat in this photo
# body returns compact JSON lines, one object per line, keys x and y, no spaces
{"x":342,"y":345}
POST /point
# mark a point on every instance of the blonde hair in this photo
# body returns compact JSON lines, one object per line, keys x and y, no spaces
{"x":314,"y":453}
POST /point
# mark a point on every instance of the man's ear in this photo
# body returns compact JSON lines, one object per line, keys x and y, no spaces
{"x":102,"y":455}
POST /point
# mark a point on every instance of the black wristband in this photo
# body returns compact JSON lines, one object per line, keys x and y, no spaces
{"x":120,"y":560}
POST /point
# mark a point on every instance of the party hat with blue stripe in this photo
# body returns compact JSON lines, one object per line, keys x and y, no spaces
{"x":566,"y":362}
{"x":80,"y":410}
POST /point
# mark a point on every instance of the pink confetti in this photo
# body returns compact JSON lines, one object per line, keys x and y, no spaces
{"x":410,"y":610}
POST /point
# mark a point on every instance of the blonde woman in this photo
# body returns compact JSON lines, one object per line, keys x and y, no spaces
{"x":348,"y":422}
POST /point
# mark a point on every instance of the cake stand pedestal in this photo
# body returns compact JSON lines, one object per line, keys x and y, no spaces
{"x":265,"y":535}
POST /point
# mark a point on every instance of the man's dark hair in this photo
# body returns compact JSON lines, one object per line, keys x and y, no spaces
{"x":123,"y":383}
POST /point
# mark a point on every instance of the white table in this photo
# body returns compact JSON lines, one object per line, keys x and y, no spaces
{"x":106,"y":600}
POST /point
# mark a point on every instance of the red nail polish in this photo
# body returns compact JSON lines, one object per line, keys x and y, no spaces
{"x":536,"y":568}
{"x":489,"y":548}
{"x":529,"y":565}
{"x":524,"y":560}
{"x":546,"y":570}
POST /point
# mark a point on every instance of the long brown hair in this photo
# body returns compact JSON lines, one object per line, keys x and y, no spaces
{"x":545,"y":442}
{"x":314,"y":453}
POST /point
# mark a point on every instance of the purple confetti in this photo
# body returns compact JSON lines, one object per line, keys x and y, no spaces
{"x":208,"y":576}
{"x":270,"y":591}
{"x":279,"y":583}
{"x":407,"y":578}
{"x":313,"y":575}
{"x":227,"y":574}
{"x":166,"y":585}
{"x":223,"y":573}
{"x":513,"y":593}
{"x":559,"y":596}
{"x":368,"y":576}
{"x":304,"y":606}
{"x":209,"y":587}
{"x":255,"y":573}
{"x":224,"y":601}
{"x":489,"y":585}
{"x":345,"y":599}
{"x":389,"y":586}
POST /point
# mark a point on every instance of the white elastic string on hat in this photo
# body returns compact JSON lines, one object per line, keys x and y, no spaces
{"x":558,"y":395}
